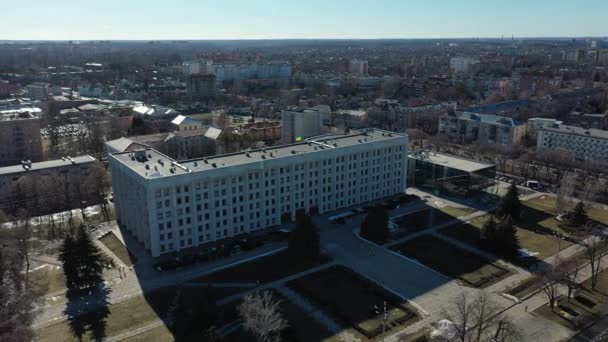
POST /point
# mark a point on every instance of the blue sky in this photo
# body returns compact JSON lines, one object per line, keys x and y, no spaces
{"x":267,"y":19}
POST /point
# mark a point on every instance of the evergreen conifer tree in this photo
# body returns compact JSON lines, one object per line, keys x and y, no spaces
{"x":510,"y":204}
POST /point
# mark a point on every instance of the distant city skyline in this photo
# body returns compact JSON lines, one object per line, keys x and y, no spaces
{"x":312,"y":19}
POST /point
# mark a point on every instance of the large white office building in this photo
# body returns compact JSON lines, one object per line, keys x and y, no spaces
{"x":585,"y":143}
{"x":169,"y":205}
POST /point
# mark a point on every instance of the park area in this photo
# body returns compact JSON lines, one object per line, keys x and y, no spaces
{"x":302,"y":328}
{"x":585,"y":306}
{"x":118,"y":248}
{"x":263,"y":270}
{"x":535,"y":231}
{"x":426,"y":218}
{"x":46,"y":280}
{"x":354,"y":301}
{"x":131,"y":314}
{"x":450,"y":260}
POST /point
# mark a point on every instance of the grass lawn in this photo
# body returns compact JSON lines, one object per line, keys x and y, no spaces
{"x":547,"y":204}
{"x":301,"y":327}
{"x":586,"y":305}
{"x":533,"y":231}
{"x":350,"y":299}
{"x":118,"y":248}
{"x":452,"y":261}
{"x":264,"y":270}
{"x":131,"y":314}
{"x":457,"y":211}
{"x":525,"y":287}
{"x":47,"y":280}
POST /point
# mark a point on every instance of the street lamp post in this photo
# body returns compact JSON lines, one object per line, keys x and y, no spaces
{"x":384,"y":318}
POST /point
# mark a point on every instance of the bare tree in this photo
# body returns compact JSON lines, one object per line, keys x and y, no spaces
{"x":262,"y":316}
{"x":484,"y":315}
{"x":474,"y":320}
{"x":567,"y":186}
{"x":550,"y":286}
{"x":506,"y":331}
{"x":15,"y":310}
{"x":595,"y":250}
{"x":571,"y":270}
{"x":23,"y":234}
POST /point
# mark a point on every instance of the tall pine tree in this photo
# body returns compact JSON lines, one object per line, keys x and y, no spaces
{"x":375,"y":225}
{"x":578,"y":216}
{"x":507,"y":240}
{"x":510,"y":205}
{"x":90,"y":265}
{"x":69,"y":260}
{"x":488,"y":230}
{"x":305,"y":242}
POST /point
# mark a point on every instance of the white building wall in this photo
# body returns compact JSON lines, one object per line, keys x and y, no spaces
{"x":176,"y":212}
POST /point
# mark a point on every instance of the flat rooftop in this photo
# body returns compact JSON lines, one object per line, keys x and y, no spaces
{"x":574,"y":130}
{"x":49,"y":164}
{"x":458,"y":163}
{"x":150,"y":163}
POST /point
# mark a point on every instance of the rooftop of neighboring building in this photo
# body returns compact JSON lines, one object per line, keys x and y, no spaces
{"x":458,"y":163}
{"x":180,"y":119}
{"x":23,"y":113}
{"x":49,"y":164}
{"x":574,"y":130}
{"x":153,"y":164}
{"x":488,"y":118}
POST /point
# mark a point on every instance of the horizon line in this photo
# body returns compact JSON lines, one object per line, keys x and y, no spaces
{"x":299,"y":39}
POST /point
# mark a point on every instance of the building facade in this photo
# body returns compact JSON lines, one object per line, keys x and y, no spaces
{"x":20,"y":138}
{"x":168,"y":205}
{"x":299,"y":123}
{"x":585,"y":143}
{"x":200,"y":86}
{"x":466,"y":127}
{"x":48,"y":186}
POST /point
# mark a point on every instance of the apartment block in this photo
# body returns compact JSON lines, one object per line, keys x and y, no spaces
{"x":64,"y":180}
{"x":466,"y":127}
{"x":585,"y":143}
{"x":20,"y":136}
{"x":299,"y":123}
{"x":169,"y":205}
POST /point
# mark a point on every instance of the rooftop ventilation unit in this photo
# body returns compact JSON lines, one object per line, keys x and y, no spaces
{"x":263,"y":156}
{"x":247,"y":154}
{"x":214,"y":164}
{"x":205,"y":161}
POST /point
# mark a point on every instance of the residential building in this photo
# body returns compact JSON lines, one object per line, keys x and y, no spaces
{"x":177,"y":145}
{"x":185,"y":123}
{"x":20,"y":137}
{"x":424,"y":117}
{"x":357,"y":66}
{"x":466,"y":127}
{"x":535,"y":124}
{"x":263,"y":130}
{"x":585,"y":143}
{"x":169,"y":205}
{"x":59,"y":179}
{"x":198,"y":67}
{"x":39,"y":91}
{"x":249,"y":71}
{"x":201,"y":86}
{"x":588,"y":120}
{"x":299,"y":123}
{"x":462,"y":64}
